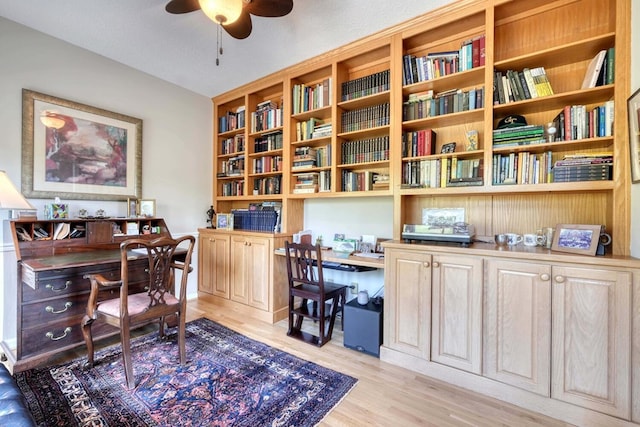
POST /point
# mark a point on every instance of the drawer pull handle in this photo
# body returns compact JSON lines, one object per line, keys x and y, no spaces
{"x":52,"y":338}
{"x":50,"y":309}
{"x":560,"y":279}
{"x":436,"y":264}
{"x":66,"y":286}
{"x":426,"y":264}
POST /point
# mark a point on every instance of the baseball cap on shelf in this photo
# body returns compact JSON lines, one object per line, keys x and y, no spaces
{"x":512,"y":121}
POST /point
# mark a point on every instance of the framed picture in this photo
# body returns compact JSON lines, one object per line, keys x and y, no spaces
{"x":633,"y":105}
{"x":576,"y":238}
{"x":132,"y":208}
{"x":224,"y":221}
{"x":74,"y":151}
{"x":148,"y":207}
{"x":448,"y":148}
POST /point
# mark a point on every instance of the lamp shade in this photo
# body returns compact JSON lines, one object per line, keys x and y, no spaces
{"x":222,"y":11}
{"x":10,"y":197}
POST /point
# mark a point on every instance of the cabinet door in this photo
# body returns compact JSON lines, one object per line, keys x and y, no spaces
{"x":591,"y":338}
{"x":239,"y":287}
{"x":456,"y":310}
{"x":518,"y":324}
{"x":407,"y":302}
{"x":214,"y":265}
{"x":258,"y":271}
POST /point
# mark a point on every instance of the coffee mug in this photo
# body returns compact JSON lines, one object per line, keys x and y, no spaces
{"x":533,"y":240}
{"x":500,"y":239}
{"x":513,"y":239}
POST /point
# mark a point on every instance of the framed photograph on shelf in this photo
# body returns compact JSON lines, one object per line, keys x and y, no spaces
{"x":633,"y":105}
{"x":75,"y":151}
{"x":576,"y":238}
{"x":224,"y":221}
{"x":148,"y":207}
{"x":132,"y":208}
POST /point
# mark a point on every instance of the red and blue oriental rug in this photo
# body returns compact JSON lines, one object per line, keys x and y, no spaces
{"x":228,"y":379}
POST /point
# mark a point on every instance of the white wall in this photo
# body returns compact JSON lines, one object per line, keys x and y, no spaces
{"x":635,"y":84}
{"x":177,"y":129}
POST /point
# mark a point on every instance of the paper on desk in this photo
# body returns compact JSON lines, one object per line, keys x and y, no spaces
{"x":368,"y":255}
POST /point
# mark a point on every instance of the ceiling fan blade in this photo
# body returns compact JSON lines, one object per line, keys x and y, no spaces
{"x":241,"y":28}
{"x":269,"y":8}
{"x":182,"y":6}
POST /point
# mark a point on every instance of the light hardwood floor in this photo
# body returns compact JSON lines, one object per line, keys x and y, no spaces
{"x":385,"y":395}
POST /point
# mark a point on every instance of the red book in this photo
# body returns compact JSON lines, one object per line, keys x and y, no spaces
{"x":482,"y":50}
{"x":475,"y":52}
{"x":567,"y":123}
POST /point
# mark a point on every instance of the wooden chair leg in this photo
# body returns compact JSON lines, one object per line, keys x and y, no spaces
{"x":291,"y":302}
{"x":182,"y":338}
{"x":126,"y":357}
{"x":322,"y":336}
{"x":88,"y":339}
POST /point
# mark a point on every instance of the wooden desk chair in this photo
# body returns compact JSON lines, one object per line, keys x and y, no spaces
{"x":307,"y":283}
{"x":156,"y":302}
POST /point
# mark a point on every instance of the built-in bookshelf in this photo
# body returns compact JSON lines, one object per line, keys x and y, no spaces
{"x":362,"y":108}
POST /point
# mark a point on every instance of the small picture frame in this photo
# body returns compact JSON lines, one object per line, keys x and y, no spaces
{"x":633,"y":112}
{"x":576,"y":238}
{"x":448,"y":148}
{"x":148,"y":208}
{"x":132,"y":208}
{"x":224,"y":221}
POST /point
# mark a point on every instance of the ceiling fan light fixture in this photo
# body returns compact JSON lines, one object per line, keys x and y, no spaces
{"x":223,"y":12}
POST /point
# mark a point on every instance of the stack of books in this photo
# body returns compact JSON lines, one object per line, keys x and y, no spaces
{"x":322,"y":130}
{"x":306,"y":182}
{"x":584,"y":167}
{"x":523,"y":135}
{"x":304,"y":158}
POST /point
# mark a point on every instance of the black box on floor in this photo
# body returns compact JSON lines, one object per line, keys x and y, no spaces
{"x":363,"y":326}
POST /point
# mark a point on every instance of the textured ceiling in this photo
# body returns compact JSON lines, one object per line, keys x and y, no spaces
{"x":181,"y":48}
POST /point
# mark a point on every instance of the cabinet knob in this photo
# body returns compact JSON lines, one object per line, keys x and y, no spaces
{"x":560,"y":279}
{"x":436,"y":264}
{"x":426,"y":264}
{"x":544,"y":276}
{"x":50,"y":309}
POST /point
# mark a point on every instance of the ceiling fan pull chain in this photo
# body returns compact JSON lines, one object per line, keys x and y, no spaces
{"x":218,"y":45}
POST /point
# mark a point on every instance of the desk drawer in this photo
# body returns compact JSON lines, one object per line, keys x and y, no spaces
{"x":58,"y":335}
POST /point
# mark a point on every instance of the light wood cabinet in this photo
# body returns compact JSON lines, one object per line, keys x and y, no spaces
{"x":213,"y":264}
{"x":407,"y":324}
{"x":239,"y":270}
{"x":456,"y":310}
{"x":517,"y":335}
{"x":591,"y":338}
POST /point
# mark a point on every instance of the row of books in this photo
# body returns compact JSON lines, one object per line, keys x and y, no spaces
{"x":437,"y":64}
{"x":601,"y":69}
{"x":232,"y":120}
{"x":426,"y":104}
{"x":523,"y":135}
{"x":233,"y":145}
{"x":268,"y":115}
{"x":418,"y":143}
{"x":522,"y":168}
{"x":363,"y":181}
{"x":268,"y":185}
{"x":365,"y":150}
{"x":440,"y":173}
{"x":312,"y":128}
{"x":584,"y":167}
{"x":511,"y":86}
{"x":365,"y":118}
{"x":233,"y":188}
{"x":272,"y":141}
{"x":364,"y":86}
{"x":234,"y":166}
{"x":574,"y":122}
{"x":311,"y":97}
{"x":267,"y":164}
{"x":254,"y":220}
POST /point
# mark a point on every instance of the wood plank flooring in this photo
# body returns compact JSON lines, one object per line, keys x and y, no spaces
{"x":385,"y":395}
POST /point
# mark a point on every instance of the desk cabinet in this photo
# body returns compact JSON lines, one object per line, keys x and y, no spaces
{"x":250,"y":267}
{"x":213,"y":264}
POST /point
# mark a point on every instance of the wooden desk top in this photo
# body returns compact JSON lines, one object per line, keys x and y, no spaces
{"x":330,"y":256}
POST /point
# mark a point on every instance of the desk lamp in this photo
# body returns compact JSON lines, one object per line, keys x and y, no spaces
{"x":10,"y":197}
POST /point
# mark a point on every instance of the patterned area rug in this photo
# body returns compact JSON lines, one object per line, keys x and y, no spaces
{"x":228,"y":379}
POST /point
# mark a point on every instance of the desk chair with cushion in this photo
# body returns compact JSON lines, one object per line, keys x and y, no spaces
{"x":157,"y":302}
{"x":307,"y":283}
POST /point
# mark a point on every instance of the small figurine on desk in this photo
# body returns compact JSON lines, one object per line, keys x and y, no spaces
{"x":210,"y":214}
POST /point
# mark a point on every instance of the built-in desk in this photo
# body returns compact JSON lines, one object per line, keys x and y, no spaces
{"x":329,"y":258}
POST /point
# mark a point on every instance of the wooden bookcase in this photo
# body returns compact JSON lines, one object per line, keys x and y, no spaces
{"x":513,"y":40}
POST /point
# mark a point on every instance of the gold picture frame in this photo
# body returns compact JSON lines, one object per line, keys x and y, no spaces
{"x":57,"y":132}
{"x":132,"y":208}
{"x":576,"y":238}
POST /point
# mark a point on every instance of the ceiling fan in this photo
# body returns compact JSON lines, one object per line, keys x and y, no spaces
{"x":233,"y":15}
